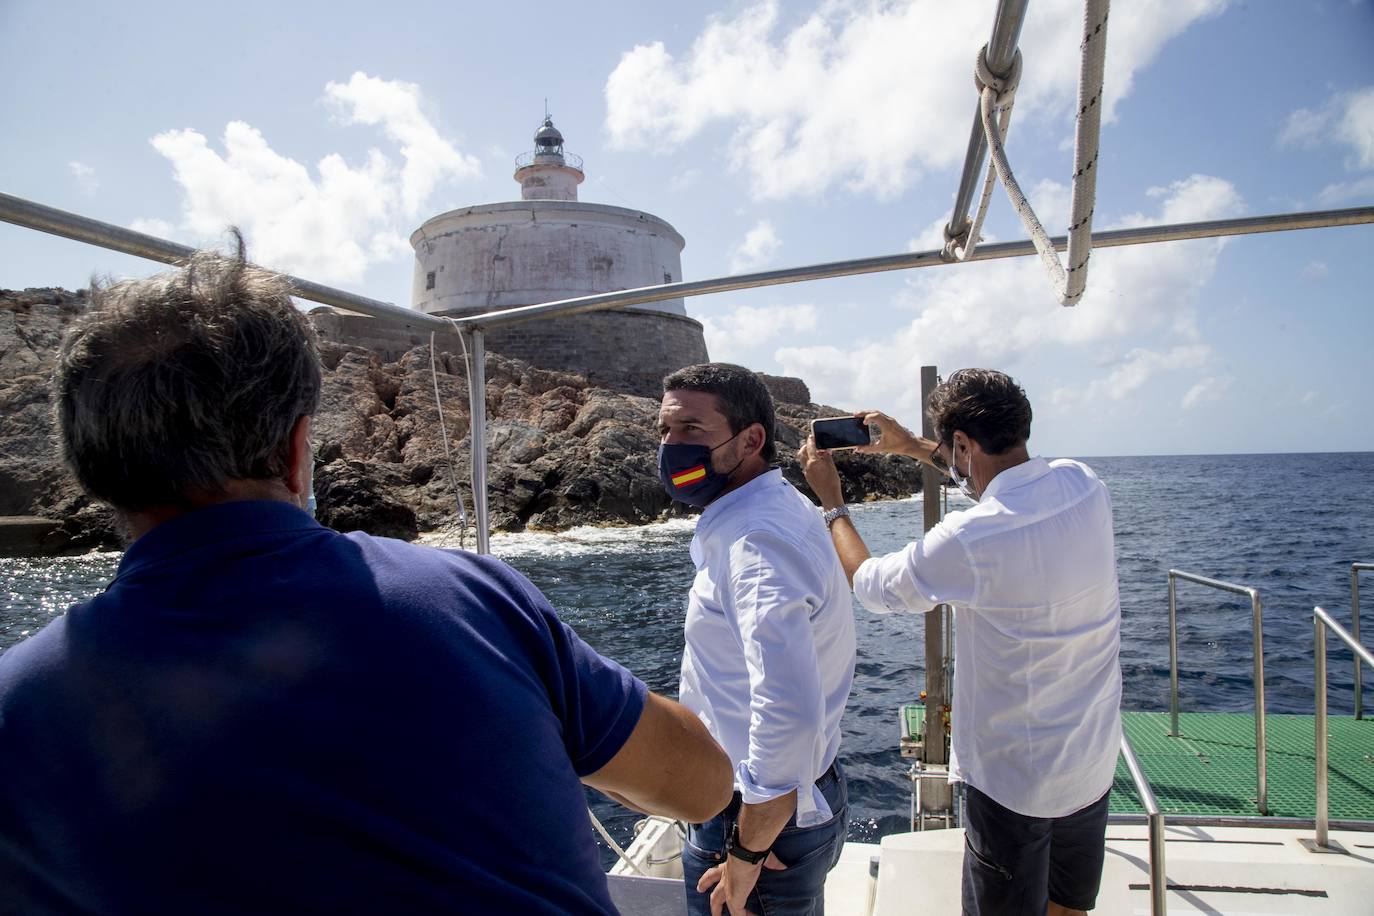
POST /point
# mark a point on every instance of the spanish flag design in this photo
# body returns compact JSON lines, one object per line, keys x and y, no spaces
{"x":688,"y":477}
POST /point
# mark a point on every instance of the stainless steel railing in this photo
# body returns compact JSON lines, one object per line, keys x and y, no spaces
{"x":1321,"y":622}
{"x":1261,"y":733}
{"x":1155,"y":819}
{"x":1355,"y":570}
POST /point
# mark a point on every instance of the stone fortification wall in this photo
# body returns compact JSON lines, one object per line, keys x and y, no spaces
{"x":628,"y":350}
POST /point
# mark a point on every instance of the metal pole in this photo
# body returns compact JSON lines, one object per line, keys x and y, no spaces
{"x":905,"y":261}
{"x":939,"y":797}
{"x":477,"y":401}
{"x":1261,"y":732}
{"x":1173,"y":656}
{"x":1006,"y":33}
{"x":1355,"y":632}
{"x":1319,"y":725}
{"x":1159,"y":883}
{"x":31,"y":215}
{"x":57,"y":222}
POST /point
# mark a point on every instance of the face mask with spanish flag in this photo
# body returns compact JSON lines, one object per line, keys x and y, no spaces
{"x":687,"y":475}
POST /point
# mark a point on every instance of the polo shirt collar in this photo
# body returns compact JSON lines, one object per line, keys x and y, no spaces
{"x":1018,"y":476}
{"x":211,"y":525}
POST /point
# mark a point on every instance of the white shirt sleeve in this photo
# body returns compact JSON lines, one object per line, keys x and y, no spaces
{"x":775,"y":591}
{"x":937,"y":569}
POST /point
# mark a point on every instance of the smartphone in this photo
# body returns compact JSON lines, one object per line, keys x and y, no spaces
{"x":840,"y":432}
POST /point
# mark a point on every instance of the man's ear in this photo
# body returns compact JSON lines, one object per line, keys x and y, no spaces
{"x":754,"y":438}
{"x":299,"y":459}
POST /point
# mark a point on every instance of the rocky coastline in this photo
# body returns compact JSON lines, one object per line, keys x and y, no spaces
{"x":562,"y":452}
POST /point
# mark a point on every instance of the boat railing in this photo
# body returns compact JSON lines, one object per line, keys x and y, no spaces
{"x":1355,"y":570}
{"x":1155,"y":821}
{"x":1256,"y":611}
{"x":1321,"y":622}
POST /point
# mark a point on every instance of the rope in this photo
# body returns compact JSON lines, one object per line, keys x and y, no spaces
{"x":615,"y":847}
{"x":448,"y":454}
{"x":996,"y":95}
{"x":959,"y":246}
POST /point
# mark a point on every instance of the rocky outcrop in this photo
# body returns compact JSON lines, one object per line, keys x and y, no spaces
{"x":561,"y":452}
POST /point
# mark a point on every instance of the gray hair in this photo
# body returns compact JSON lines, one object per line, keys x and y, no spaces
{"x":179,"y":383}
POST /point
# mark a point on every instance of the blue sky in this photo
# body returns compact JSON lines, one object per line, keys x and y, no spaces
{"x":769,"y":135}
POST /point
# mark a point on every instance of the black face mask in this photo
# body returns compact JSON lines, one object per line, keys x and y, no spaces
{"x":686,"y":473}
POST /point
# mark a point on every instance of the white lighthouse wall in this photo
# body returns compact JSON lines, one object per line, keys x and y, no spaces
{"x":525,"y":252}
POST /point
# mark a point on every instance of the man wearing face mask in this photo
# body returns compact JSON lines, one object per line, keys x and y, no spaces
{"x":1030,"y":571}
{"x":769,"y":655}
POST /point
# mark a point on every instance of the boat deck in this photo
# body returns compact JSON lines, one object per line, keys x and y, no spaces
{"x":1209,"y":769}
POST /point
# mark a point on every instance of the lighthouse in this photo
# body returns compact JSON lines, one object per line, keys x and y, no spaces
{"x":547,"y":246}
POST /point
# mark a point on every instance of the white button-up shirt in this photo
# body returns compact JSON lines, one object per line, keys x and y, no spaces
{"x":1031,"y":573}
{"x":769,"y":658}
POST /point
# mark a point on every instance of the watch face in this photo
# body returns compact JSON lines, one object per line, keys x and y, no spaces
{"x":732,"y":847}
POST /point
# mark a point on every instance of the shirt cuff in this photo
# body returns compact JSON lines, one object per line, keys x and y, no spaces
{"x":812,"y":808}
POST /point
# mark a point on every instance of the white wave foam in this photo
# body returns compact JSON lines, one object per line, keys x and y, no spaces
{"x":580,"y":541}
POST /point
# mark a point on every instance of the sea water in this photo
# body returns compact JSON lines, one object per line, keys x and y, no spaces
{"x":1289,"y":525}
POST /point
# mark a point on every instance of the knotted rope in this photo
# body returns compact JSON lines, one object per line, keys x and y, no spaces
{"x":996,"y":96}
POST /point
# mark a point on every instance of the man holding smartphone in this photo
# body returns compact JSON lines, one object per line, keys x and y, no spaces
{"x":1031,"y":573}
{"x":769,"y":655}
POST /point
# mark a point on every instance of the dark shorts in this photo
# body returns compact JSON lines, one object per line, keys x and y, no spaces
{"x":1014,"y":864}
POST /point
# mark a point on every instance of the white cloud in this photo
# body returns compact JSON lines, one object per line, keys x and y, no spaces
{"x":328,"y":226}
{"x":996,"y":313}
{"x":1339,"y":192}
{"x":154,"y":227}
{"x":828,"y":100}
{"x":1207,"y":389}
{"x":85,"y":176}
{"x":1346,"y":118}
{"x":1315,"y":270}
{"x":681,"y":182}
{"x":732,"y":337}
{"x":759,"y":245}
{"x":395,"y":106}
{"x":1131,"y":373}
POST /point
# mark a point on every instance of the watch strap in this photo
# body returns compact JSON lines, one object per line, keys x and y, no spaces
{"x":732,"y":847}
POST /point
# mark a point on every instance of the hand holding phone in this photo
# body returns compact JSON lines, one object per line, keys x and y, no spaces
{"x":840,"y":432}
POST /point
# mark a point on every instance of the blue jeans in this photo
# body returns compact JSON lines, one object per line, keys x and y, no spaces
{"x":808,"y":852}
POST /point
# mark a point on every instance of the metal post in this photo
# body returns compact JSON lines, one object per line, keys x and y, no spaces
{"x":1319,"y":726}
{"x":1355,"y":632}
{"x":1261,"y":730}
{"x":936,"y":798}
{"x":1159,"y":883}
{"x":1006,"y":33}
{"x":477,"y":401}
{"x":1173,"y":656}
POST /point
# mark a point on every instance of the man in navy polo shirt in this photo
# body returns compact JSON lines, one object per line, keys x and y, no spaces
{"x":263,"y":715}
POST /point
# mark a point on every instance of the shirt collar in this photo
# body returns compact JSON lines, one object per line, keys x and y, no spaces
{"x":739,"y":496}
{"x":211,"y":525}
{"x":1020,"y":475}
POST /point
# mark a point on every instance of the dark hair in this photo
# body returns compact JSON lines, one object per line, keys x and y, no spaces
{"x":184,"y":381}
{"x":743,"y":399}
{"x":986,"y":404}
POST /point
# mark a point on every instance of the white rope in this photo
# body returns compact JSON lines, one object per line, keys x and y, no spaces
{"x":1069,"y":283}
{"x":448,"y":454}
{"x":959,"y":246}
{"x":615,"y":847}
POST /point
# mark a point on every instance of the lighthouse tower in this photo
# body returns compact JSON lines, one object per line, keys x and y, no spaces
{"x":549,"y":246}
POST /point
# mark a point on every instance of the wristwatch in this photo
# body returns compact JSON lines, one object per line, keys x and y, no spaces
{"x":830,"y":515}
{"x":732,"y":847}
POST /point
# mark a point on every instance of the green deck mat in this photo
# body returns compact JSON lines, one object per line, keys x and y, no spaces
{"x":1210,"y":767}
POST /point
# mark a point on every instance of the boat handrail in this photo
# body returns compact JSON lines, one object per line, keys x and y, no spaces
{"x":1256,"y":610}
{"x":1321,"y":622}
{"x":1355,"y":570}
{"x":1155,"y":820}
